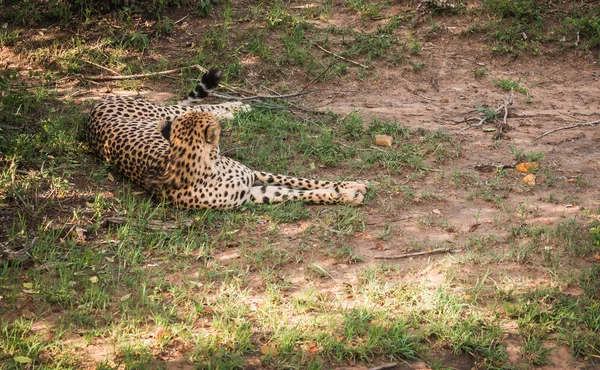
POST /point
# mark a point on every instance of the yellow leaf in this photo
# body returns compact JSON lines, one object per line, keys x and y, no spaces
{"x":27,"y":285}
{"x":527,"y":167}
{"x":94,"y":279}
{"x":22,"y":360}
{"x":111,"y":178}
{"x":30,"y":291}
{"x":529,"y":179}
{"x":383,"y":140}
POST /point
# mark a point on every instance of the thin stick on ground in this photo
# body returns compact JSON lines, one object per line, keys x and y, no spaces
{"x":341,"y":57}
{"x":101,"y":67}
{"x":259,"y":97}
{"x":140,"y":75}
{"x":503,"y":106}
{"x":593,"y":123}
{"x":385,"y":366}
{"x":150,"y":224}
{"x":407,"y":255}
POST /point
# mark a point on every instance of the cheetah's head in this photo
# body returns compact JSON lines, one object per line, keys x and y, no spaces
{"x":195,"y":129}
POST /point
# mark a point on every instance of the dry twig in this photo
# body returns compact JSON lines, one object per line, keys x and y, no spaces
{"x":406,"y":255}
{"x":140,"y":75}
{"x":151,"y":224}
{"x":593,"y":123}
{"x":341,"y":57}
{"x":101,"y":67}
{"x":503,"y":106}
{"x":385,"y":366}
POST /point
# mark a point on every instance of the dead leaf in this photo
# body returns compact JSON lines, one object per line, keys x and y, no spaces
{"x":80,"y":233}
{"x":110,"y":177}
{"x":313,"y":347}
{"x":383,"y":140}
{"x":527,"y":167}
{"x":159,"y":333}
{"x":529,"y":179}
{"x":268,"y":349}
{"x":94,"y":279}
{"x":597,"y":257}
{"x":208,"y":309}
{"x":473,"y":227}
{"x":436,"y":211}
{"x":379,"y":246}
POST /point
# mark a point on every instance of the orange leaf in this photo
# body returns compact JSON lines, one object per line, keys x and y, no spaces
{"x":529,"y":179}
{"x":527,"y":167}
{"x":159,"y":333}
{"x":379,"y":246}
{"x":597,"y":257}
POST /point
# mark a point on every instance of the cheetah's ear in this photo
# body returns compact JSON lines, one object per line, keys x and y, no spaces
{"x":213,"y":133}
{"x":164,"y":127}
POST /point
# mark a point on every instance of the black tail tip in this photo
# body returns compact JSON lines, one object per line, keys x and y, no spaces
{"x":211,"y":79}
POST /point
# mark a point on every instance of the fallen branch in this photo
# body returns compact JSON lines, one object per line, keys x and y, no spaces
{"x":385,"y":366}
{"x":341,"y":57}
{"x":593,"y":123}
{"x":434,"y":251}
{"x":258,"y":97}
{"x":141,"y":75}
{"x":503,"y":106}
{"x":150,"y":224}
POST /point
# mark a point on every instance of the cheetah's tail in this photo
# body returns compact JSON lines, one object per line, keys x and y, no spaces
{"x":210,"y":80}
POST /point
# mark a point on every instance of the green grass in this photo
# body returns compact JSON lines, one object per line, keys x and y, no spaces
{"x":510,"y":84}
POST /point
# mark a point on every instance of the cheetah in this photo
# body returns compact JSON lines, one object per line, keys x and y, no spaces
{"x":174,"y":153}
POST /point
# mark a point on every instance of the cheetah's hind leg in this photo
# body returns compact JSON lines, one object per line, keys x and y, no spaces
{"x":335,"y":195}
{"x":265,"y":178}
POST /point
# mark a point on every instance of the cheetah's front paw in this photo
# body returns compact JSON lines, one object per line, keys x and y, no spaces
{"x":360,"y":187}
{"x":352,"y":196}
